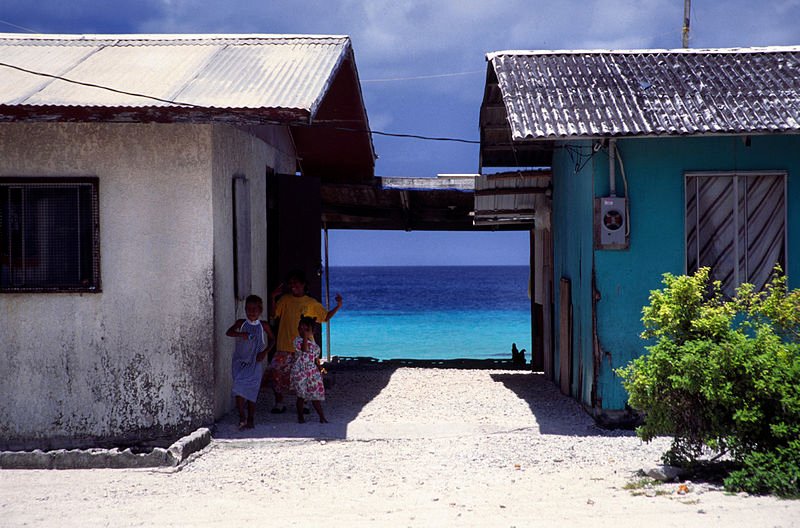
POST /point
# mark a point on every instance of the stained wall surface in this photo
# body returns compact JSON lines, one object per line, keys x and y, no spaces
{"x":237,"y":154}
{"x":140,"y":359}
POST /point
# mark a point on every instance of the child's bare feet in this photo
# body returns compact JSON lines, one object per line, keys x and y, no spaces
{"x":300,"y":405}
{"x":318,"y":407}
{"x":242,"y":424}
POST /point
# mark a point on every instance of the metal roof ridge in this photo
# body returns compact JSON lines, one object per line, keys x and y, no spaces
{"x":167,"y":36}
{"x":758,"y":49}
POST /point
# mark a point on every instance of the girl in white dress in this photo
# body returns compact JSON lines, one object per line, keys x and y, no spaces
{"x":253,"y":340}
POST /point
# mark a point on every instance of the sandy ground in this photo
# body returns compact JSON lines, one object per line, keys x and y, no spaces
{"x":405,"y":447}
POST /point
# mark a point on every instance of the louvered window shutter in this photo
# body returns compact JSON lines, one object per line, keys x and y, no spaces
{"x":736,"y":225}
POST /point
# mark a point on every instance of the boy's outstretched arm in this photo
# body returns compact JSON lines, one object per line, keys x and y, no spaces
{"x":331,"y":313}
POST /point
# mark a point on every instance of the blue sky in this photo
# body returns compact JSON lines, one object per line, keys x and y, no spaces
{"x":422,"y":68}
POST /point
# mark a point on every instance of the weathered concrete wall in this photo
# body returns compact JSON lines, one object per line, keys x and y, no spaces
{"x":236,"y":153}
{"x":136,"y":360}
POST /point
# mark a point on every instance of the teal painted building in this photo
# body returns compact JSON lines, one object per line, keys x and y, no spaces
{"x":706,"y":171}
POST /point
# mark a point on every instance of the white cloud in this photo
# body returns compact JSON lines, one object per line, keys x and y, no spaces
{"x":400,"y":38}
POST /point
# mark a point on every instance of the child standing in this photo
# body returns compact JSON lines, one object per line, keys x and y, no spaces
{"x":253,"y":340}
{"x":306,"y":379}
{"x":288,"y":310}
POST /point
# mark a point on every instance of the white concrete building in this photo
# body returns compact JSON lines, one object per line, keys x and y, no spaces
{"x":133,"y":226}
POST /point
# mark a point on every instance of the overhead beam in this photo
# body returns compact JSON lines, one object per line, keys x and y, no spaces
{"x":511,"y":191}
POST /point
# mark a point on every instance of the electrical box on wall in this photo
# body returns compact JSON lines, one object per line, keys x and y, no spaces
{"x":611,"y":223}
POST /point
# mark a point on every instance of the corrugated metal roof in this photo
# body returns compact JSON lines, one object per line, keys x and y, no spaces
{"x":512,"y":198}
{"x":207,"y":71}
{"x":562,"y":94}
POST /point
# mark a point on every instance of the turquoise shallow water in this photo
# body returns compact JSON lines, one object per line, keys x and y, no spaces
{"x":431,"y":312}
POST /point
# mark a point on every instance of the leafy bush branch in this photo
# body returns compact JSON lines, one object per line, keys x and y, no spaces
{"x":723,"y":375}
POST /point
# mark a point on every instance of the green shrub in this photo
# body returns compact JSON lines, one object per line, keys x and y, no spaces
{"x":722,"y":374}
{"x":762,"y":473}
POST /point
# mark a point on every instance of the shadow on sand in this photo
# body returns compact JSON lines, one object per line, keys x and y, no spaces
{"x":555,"y":413}
{"x":343,"y":404}
{"x":354,"y":382}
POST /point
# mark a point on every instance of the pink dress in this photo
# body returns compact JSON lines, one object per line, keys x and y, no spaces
{"x":306,"y":379}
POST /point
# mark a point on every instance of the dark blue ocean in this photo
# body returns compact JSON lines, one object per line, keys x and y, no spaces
{"x":430,"y":312}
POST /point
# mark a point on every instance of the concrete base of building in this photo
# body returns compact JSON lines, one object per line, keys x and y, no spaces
{"x":172,"y":456}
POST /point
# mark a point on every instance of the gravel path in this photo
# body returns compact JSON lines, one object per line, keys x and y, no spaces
{"x":405,"y":447}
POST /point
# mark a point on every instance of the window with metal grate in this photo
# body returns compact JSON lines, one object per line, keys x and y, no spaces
{"x":49,"y":235}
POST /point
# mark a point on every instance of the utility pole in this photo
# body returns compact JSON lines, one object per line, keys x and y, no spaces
{"x":687,"y":7}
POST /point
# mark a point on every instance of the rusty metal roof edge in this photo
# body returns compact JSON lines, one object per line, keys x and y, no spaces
{"x":147,"y":114}
{"x":652,"y":51}
{"x":166,"y":105}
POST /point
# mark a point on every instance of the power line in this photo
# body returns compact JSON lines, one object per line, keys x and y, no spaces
{"x":427,"y":138}
{"x":192,"y":105}
{"x":29,"y":30}
{"x":418,"y":77}
{"x":100,"y":86}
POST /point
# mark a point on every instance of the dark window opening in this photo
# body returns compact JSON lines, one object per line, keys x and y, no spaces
{"x":49,"y":235}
